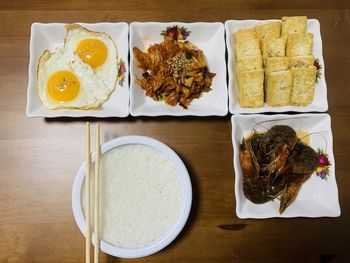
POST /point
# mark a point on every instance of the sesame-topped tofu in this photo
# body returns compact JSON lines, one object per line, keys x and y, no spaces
{"x":303,"y":86}
{"x":302,"y":61}
{"x":279,"y":88}
{"x":251,"y":88}
{"x":273,"y":47}
{"x":277,"y":64}
{"x":299,"y":44}
{"x":246,"y":43}
{"x":249,"y":63}
{"x":293,"y":24}
{"x":269,"y":29}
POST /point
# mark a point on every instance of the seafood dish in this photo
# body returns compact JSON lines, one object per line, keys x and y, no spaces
{"x":274,"y":159}
{"x":275,"y":164}
{"x":275,"y":65}
{"x":174,"y":71}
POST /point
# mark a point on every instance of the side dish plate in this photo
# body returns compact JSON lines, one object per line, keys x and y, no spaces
{"x":209,"y":37}
{"x":319,"y":103}
{"x":51,"y":37}
{"x":317,"y":197}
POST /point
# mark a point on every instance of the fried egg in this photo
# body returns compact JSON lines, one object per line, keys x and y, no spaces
{"x":65,"y":82}
{"x":94,"y":49}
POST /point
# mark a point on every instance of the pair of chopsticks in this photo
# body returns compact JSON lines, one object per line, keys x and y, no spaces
{"x":96,"y":195}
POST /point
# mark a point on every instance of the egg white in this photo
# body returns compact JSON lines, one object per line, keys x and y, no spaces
{"x":108,"y":71}
{"x":93,"y":91}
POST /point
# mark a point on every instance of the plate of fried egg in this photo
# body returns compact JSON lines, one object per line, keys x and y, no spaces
{"x":78,"y":70}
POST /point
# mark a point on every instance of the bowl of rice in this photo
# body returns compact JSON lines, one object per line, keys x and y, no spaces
{"x":145,"y":196}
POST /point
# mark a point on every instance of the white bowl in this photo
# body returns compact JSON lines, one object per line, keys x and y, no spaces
{"x":317,"y":197}
{"x":51,"y":36}
{"x":319,"y":103}
{"x":209,"y":37}
{"x":185,"y":209}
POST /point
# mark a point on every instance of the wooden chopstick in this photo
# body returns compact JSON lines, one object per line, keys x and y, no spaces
{"x":96,"y":195}
{"x":87,"y":195}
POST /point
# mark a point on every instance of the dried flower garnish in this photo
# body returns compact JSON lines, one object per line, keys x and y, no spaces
{"x":318,"y":69}
{"x":323,"y":165}
{"x":121,"y":72}
{"x":176,"y":32}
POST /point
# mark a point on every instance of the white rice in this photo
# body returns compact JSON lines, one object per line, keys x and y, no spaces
{"x":140,"y":196}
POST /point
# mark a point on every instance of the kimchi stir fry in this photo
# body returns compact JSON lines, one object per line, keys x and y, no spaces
{"x":174,"y":71}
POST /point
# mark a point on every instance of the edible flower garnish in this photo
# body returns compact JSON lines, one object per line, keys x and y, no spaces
{"x":177,"y":33}
{"x":323,"y":165}
{"x":121,"y":72}
{"x":318,"y":68}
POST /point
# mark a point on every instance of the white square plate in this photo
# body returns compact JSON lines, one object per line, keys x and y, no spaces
{"x":317,"y":197}
{"x":319,"y":103}
{"x":209,"y":37}
{"x":51,"y":36}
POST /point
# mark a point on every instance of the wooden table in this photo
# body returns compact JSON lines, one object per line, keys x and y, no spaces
{"x":39,"y":157}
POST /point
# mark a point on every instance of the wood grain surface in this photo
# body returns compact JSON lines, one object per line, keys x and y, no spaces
{"x":39,"y":157}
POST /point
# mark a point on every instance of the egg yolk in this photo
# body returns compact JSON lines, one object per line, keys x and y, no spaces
{"x":63,"y":86}
{"x":92,"y":51}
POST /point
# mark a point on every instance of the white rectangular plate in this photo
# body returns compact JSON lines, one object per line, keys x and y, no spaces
{"x":317,"y":197}
{"x":209,"y":37}
{"x":51,"y":36}
{"x":319,"y":103}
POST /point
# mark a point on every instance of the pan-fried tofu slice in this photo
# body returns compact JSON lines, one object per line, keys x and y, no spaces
{"x":249,"y":63}
{"x":279,"y":88}
{"x":244,"y":34}
{"x":246,"y":43}
{"x":303,"y":86}
{"x":269,"y":29}
{"x":251,"y":88}
{"x":277,"y":64}
{"x":302,"y":61}
{"x":273,"y":47}
{"x":299,"y":44}
{"x":293,"y":24}
{"x":248,"y":48}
